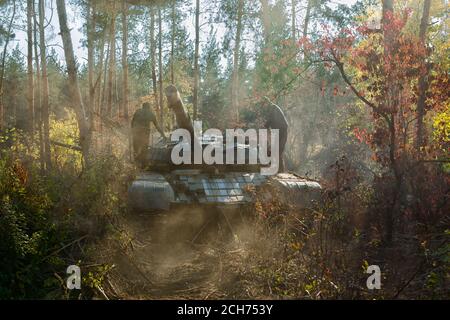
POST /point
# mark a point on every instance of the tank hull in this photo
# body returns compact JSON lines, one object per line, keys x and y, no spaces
{"x":155,"y":192}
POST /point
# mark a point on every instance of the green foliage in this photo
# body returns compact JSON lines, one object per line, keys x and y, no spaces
{"x":26,"y":233}
{"x":95,"y":278}
{"x":213,"y":101}
{"x":40,"y":214}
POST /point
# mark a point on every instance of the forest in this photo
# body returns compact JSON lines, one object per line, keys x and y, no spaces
{"x":364,"y":87}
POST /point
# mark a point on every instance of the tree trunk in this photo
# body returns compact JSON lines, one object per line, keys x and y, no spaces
{"x":423,"y":80}
{"x":388,"y":6}
{"x":112,"y":62}
{"x":37,"y":99}
{"x":172,"y":44}
{"x":265,"y":20}
{"x":103,"y":108}
{"x":99,"y":85}
{"x":125,"y":92}
{"x":90,"y":44}
{"x":99,"y":74}
{"x":293,"y":20}
{"x":307,"y":17}
{"x":172,"y":56}
{"x":390,"y":213}
{"x":388,"y":37}
{"x":235,"y":73}
{"x":44,"y":86}
{"x":153,"y":55}
{"x":84,"y":130}
{"x":30,"y":84}
{"x":389,"y":96}
{"x":160,"y":70}
{"x":196,"y":68}
{"x":2,"y":74}
{"x":388,"y":9}
{"x":125,"y":59}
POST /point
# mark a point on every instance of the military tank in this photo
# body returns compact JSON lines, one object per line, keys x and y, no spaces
{"x":162,"y":186}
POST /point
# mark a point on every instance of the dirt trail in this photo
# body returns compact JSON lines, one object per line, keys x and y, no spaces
{"x":163,"y":261}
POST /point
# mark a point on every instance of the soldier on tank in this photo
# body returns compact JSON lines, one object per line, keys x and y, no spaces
{"x":140,"y":129}
{"x":274,"y":118}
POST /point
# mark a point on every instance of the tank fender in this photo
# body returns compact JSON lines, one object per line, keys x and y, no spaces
{"x":150,"y":192}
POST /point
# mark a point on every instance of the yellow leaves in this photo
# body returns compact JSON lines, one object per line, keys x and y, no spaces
{"x":438,"y":7}
{"x":441,"y":52}
{"x":297,"y":246}
{"x":65,"y":131}
{"x":365,"y":265}
{"x":441,"y":126}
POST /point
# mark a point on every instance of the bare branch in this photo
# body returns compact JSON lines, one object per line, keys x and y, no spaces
{"x":65,"y":145}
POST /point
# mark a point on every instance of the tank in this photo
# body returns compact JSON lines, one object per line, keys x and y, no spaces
{"x":162,"y":186}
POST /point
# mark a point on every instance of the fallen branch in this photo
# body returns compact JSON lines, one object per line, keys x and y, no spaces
{"x":142,"y":274}
{"x":100,"y":289}
{"x":209,"y":294}
{"x":436,"y":160}
{"x":64,"y":247}
{"x":400,"y":290}
{"x":65,"y":145}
